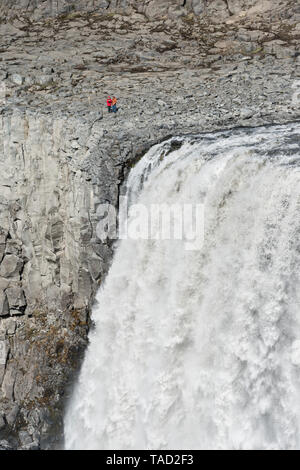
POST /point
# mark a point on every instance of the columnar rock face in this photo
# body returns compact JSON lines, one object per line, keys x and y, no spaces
{"x":151,"y":8}
{"x":176,"y":68}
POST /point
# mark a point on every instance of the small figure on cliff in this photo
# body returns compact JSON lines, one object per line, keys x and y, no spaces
{"x":114,"y":104}
{"x":109,"y":104}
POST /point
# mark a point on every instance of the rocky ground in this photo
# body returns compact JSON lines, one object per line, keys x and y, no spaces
{"x":176,"y":68}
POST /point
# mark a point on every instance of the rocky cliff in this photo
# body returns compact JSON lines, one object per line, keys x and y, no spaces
{"x":177,"y":67}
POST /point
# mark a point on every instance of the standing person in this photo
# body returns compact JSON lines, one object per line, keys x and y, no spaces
{"x":109,"y":103}
{"x":114,"y":104}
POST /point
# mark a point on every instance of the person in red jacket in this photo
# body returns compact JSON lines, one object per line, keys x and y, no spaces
{"x":109,"y":103}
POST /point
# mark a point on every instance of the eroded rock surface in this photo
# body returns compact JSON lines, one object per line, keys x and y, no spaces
{"x":177,"y":68}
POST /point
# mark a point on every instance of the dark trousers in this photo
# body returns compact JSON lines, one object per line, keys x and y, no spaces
{"x":109,"y":109}
{"x":114,"y":108}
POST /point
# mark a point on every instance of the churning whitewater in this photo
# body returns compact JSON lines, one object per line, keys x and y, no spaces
{"x":201,"y":349}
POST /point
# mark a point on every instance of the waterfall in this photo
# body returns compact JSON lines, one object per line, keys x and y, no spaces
{"x":200,"y":349}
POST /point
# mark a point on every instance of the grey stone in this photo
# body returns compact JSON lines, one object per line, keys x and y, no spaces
{"x":17,"y":79}
{"x":11,"y":266}
{"x":161,"y":103}
{"x":246,"y":113}
{"x":4,"y":350}
{"x":34,"y":445}
{"x":45,"y":80}
{"x":29,"y":80}
{"x":25,"y":438}
{"x":199,"y":6}
{"x":15,"y":312}
{"x":16,"y":298}
{"x":2,"y":423}
{"x":63,"y":154}
{"x":11,"y":327}
{"x":8,"y":384}
{"x":39,"y":8}
{"x":11,"y":416}
{"x":4,"y":445}
{"x":2,"y":250}
{"x":4,"y":308}
{"x":280,"y":49}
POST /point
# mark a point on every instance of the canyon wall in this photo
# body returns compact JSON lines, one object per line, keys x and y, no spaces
{"x":217,"y":9}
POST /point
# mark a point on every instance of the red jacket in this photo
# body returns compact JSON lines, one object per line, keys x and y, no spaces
{"x":109,"y":101}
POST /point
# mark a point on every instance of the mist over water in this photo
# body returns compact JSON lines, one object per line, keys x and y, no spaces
{"x":201,"y":349}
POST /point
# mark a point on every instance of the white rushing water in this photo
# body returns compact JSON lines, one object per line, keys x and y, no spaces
{"x":201,"y":349}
